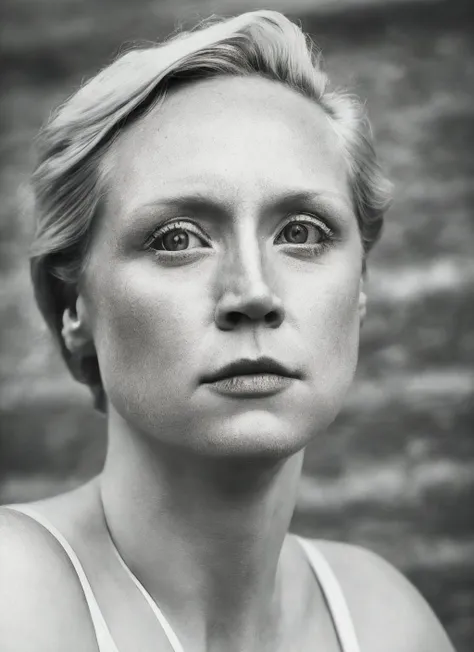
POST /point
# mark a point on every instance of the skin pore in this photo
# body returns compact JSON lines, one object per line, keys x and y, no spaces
{"x":198,"y":489}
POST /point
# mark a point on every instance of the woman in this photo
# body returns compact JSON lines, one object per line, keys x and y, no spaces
{"x":204,"y":212}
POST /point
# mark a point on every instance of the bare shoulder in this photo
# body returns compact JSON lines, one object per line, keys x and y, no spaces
{"x":385,"y":606}
{"x":42,"y":606}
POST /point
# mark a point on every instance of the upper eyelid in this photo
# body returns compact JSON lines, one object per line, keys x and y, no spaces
{"x":297,"y":217}
{"x":174,"y":223}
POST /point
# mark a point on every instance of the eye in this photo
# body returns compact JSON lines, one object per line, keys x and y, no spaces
{"x":304,"y":230}
{"x":177,"y":236}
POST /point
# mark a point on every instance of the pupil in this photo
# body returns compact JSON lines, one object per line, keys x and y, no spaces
{"x":296,"y":233}
{"x":175,"y":240}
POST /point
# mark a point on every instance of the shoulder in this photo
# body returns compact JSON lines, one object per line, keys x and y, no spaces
{"x":384,"y":605}
{"x":42,"y":606}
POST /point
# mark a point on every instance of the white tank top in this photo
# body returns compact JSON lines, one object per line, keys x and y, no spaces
{"x":330,"y":587}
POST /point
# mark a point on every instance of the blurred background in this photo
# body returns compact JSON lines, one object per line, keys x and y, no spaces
{"x":395,"y":472}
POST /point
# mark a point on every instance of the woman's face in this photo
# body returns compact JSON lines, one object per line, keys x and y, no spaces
{"x":228,"y":234}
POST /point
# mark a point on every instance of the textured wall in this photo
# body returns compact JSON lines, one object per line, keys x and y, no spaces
{"x":395,"y":472}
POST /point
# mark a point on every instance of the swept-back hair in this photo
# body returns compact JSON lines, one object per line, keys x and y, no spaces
{"x":69,"y":180}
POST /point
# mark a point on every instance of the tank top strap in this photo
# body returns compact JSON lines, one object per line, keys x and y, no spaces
{"x":168,"y":630}
{"x":332,"y":591}
{"x":104,"y":638}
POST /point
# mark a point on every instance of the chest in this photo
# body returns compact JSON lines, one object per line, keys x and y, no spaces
{"x":127,"y":622}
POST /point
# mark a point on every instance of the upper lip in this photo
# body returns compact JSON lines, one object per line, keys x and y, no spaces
{"x":247,"y":366}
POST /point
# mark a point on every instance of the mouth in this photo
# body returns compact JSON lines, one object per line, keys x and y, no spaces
{"x":251,"y":378}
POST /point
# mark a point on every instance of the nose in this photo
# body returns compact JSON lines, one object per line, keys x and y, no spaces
{"x":247,"y":296}
{"x":233,"y":310}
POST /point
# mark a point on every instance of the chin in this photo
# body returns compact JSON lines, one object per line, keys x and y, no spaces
{"x":254,"y":435}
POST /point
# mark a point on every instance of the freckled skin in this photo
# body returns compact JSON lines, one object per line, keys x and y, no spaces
{"x":242,"y":142}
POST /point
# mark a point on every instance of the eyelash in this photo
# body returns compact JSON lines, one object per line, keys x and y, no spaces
{"x":184,"y":225}
{"x":188,"y":225}
{"x":327,"y":232}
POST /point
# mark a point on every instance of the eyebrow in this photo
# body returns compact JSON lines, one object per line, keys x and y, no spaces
{"x":200,"y":201}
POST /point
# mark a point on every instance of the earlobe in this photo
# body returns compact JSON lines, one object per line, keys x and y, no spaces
{"x":76,"y":332}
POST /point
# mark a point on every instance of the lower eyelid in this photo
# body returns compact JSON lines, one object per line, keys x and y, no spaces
{"x":305,"y":248}
{"x":176,"y":256}
{"x":304,"y":245}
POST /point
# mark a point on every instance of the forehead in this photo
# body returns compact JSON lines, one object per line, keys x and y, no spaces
{"x":241,"y":138}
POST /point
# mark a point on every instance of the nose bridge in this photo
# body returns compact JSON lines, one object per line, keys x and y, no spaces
{"x":246,"y":267}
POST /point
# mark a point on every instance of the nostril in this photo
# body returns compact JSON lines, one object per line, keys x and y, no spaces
{"x":233,"y":317}
{"x":272,"y":318}
{"x":228,"y":317}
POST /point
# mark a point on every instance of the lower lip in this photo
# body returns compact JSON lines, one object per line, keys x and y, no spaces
{"x":252,"y":385}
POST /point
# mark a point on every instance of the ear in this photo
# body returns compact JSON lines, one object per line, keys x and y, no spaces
{"x":76,"y":331}
{"x":362,"y":302}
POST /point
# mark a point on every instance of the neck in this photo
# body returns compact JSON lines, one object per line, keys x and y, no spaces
{"x":204,"y":533}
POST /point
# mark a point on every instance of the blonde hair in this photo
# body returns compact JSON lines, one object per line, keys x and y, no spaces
{"x":69,"y":182}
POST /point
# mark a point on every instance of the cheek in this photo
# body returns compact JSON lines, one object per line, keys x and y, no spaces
{"x":146,"y":324}
{"x":331,"y":325}
{"x":332,"y":333}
